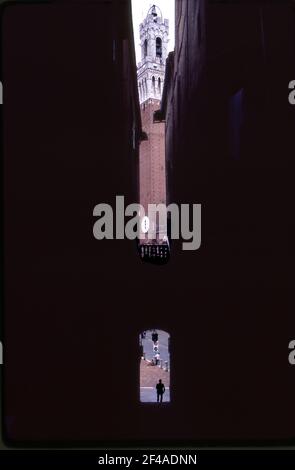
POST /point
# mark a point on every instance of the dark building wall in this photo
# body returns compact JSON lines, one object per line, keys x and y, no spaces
{"x":184,"y":86}
{"x":228,"y":129}
{"x":70,"y":140}
{"x":74,"y":306}
{"x":229,"y":119}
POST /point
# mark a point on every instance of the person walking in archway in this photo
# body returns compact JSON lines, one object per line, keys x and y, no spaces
{"x":160,"y":387}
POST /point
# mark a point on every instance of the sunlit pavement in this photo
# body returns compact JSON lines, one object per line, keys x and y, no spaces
{"x":149,"y":395}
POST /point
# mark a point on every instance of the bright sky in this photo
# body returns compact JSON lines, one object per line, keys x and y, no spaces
{"x":139,"y":12}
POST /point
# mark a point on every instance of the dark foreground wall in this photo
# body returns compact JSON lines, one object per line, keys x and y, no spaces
{"x":229,"y":129}
{"x":73,"y":305}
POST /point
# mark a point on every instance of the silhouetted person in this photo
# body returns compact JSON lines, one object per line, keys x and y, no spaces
{"x":160,"y":390}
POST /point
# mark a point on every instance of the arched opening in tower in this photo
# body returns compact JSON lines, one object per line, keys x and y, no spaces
{"x":154,"y":373}
{"x":159,"y":47}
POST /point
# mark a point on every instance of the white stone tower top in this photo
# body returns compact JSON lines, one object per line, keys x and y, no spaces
{"x":153,"y":40}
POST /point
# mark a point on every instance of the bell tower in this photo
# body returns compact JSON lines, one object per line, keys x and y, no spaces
{"x":153,"y":32}
{"x":152,"y":166}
